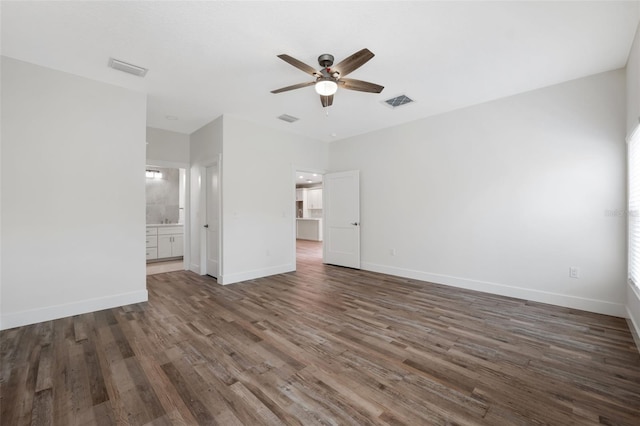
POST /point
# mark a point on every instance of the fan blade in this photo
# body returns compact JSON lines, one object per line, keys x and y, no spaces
{"x":295,"y":86}
{"x":300,"y":65}
{"x":353,"y":62}
{"x":359,"y":85}
{"x":326,"y":100}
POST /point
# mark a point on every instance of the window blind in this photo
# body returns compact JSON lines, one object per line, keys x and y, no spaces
{"x":634,"y":208}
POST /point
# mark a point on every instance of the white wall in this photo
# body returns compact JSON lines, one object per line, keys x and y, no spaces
{"x":258,"y":197}
{"x":206,"y":147}
{"x":167,"y":146}
{"x":633,"y":120}
{"x":503,"y":197}
{"x":73,"y":209}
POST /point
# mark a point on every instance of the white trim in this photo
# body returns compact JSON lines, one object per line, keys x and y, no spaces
{"x":633,"y":189}
{"x":633,"y":327}
{"x":203,"y":215}
{"x":202,"y":210}
{"x":256,"y":273}
{"x":167,"y":164}
{"x":33,"y":316}
{"x":634,"y":131}
{"x":220,"y":218}
{"x":633,"y":313}
{"x":591,"y":305}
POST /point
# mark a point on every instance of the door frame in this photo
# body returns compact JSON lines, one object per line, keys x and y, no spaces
{"x":203,"y":216}
{"x":294,"y":169}
{"x":186,"y":252}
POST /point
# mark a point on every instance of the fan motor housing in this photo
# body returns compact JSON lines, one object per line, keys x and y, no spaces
{"x":325,"y":60}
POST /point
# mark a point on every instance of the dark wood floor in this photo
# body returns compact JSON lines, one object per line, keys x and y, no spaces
{"x":324,"y":345}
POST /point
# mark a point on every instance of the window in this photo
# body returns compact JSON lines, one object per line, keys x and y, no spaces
{"x":634,"y":208}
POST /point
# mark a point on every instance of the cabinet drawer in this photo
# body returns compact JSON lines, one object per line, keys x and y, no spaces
{"x":152,"y":241}
{"x":152,"y":253}
{"x":152,"y":231}
{"x":166,"y":230}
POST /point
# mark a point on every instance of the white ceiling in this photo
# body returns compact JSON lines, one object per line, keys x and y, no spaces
{"x":206,"y":59}
{"x":307,"y":178}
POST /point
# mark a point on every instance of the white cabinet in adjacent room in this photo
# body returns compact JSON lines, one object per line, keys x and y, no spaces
{"x":177,"y":245}
{"x":314,"y":198}
{"x":309,"y":229}
{"x":152,"y":243}
{"x":165,"y":241}
{"x":170,"y":241}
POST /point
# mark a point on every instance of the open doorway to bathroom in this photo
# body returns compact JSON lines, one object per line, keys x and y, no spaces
{"x":309,"y":217}
{"x":165,"y":217}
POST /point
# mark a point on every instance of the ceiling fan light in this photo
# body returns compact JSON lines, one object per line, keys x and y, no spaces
{"x":326,"y":87}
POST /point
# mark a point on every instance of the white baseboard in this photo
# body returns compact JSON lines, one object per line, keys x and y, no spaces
{"x":256,"y":273}
{"x":590,"y":305}
{"x":32,"y":316}
{"x":194,"y":267}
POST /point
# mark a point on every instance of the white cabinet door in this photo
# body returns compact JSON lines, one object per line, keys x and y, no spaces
{"x":170,"y":246}
{"x":152,"y":253}
{"x":177,"y":245}
{"x":170,"y":242}
{"x":164,"y":246}
{"x":314,"y":198}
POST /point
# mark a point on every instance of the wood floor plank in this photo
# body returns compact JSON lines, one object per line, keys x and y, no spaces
{"x":323,"y":345}
{"x":42,"y":413}
{"x":190,"y":398}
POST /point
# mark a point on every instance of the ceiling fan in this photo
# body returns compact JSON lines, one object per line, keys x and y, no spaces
{"x":329,"y":78}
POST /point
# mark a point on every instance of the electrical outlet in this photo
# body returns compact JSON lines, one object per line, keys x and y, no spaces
{"x":574,"y":272}
{"x":392,"y":252}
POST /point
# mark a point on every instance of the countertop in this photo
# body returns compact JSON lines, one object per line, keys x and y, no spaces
{"x":162,"y":225}
{"x":309,"y":218}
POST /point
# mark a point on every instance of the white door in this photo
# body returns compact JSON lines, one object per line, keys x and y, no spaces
{"x":341,"y":202}
{"x":212,"y":222}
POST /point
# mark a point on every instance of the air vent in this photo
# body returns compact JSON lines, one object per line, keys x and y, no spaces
{"x":398,"y":101}
{"x":128,"y":68}
{"x":288,"y":118}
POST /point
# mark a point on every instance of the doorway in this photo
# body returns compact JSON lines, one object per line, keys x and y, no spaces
{"x":309,"y":216}
{"x":166,"y":194}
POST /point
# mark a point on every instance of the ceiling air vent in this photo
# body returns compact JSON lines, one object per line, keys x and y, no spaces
{"x":288,"y":118}
{"x":128,"y":68}
{"x":398,"y":101}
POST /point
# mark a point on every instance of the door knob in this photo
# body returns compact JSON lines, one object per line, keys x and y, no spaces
{"x":354,"y":223}
{"x":207,"y":225}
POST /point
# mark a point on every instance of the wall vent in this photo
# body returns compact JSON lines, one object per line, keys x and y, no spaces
{"x":398,"y":101}
{"x":128,"y":68}
{"x":288,"y":118}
